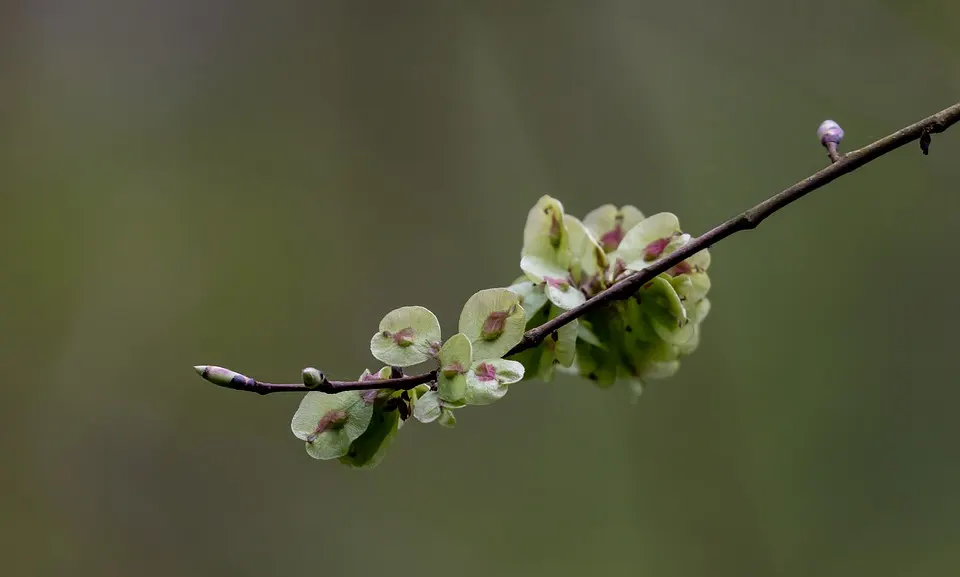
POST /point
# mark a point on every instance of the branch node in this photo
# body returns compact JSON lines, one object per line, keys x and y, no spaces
{"x":832,"y":152}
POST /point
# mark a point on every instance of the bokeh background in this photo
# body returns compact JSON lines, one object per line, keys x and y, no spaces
{"x":255,"y":184}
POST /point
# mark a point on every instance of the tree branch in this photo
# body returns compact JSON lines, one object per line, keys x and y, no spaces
{"x":747,"y":220}
{"x":233,"y":380}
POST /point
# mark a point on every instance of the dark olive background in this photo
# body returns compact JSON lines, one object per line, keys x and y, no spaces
{"x":255,"y":184}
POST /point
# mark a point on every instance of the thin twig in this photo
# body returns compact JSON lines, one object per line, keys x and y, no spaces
{"x":623,"y":289}
{"x":263,"y":388}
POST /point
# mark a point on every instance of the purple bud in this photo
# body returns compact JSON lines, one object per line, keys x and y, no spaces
{"x":829,"y":131}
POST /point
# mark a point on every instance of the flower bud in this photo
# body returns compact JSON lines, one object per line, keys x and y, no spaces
{"x":221,"y":376}
{"x":313,"y":378}
{"x":829,"y":131}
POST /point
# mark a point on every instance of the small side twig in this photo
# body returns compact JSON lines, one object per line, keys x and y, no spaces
{"x":233,"y":380}
{"x":830,"y":135}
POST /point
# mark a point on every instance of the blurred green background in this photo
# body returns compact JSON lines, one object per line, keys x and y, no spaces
{"x":255,"y":184}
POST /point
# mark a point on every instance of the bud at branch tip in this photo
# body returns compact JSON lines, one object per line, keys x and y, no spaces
{"x":830,"y":135}
{"x":223,"y":377}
